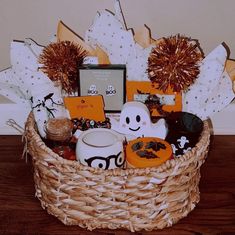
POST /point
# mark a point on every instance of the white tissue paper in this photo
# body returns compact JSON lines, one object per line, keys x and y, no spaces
{"x":108,"y":31}
{"x":28,"y":85}
{"x":10,"y":89}
{"x":212,"y":91}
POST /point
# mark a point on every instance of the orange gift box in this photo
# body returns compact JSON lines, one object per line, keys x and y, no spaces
{"x":134,"y":88}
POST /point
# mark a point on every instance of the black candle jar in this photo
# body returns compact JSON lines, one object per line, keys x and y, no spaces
{"x":184,"y":130}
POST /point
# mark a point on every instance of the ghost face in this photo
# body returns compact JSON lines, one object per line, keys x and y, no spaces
{"x":134,"y":119}
{"x":92,"y":90}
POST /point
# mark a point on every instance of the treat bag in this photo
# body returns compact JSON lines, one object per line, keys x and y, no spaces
{"x":212,"y":91}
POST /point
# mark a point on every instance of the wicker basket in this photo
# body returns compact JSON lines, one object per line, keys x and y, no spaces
{"x":133,"y":199}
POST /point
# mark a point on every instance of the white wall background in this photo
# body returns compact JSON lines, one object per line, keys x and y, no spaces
{"x":210,"y":21}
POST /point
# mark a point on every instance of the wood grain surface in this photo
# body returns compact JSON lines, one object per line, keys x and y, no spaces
{"x":21,"y":213}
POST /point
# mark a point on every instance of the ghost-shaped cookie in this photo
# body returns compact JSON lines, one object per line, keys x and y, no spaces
{"x":135,"y":122}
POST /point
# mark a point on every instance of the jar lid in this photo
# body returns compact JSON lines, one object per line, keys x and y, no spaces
{"x":148,"y":152}
{"x":59,"y":129}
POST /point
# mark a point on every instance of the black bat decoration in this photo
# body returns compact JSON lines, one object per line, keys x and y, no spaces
{"x":43,"y":104}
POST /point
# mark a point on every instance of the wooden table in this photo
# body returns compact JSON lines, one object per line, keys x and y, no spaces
{"x":21,"y":213}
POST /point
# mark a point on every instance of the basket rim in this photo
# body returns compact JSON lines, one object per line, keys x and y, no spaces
{"x":32,"y":135}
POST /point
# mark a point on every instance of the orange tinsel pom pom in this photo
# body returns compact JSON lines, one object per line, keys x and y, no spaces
{"x":60,"y":61}
{"x":174,"y":63}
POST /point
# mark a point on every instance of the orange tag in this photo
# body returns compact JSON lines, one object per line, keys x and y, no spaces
{"x":89,"y":107}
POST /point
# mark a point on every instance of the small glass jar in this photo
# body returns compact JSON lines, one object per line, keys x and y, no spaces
{"x":59,"y":129}
{"x":58,"y":134}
